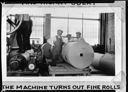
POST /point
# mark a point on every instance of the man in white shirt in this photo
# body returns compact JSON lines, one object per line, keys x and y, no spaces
{"x":56,"y":47}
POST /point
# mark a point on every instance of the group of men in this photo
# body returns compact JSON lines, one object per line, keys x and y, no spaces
{"x":53,"y":47}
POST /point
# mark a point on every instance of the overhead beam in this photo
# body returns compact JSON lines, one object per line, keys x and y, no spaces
{"x":57,"y":17}
{"x":75,"y":18}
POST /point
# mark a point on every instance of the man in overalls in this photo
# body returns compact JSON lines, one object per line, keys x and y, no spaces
{"x":56,"y":47}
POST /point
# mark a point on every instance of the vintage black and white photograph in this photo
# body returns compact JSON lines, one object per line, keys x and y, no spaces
{"x":59,"y":41}
{"x":63,"y":46}
{"x":50,"y":40}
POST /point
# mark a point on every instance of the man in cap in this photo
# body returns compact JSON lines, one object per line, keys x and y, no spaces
{"x":56,"y":47}
{"x":69,"y":37}
{"x":78,"y":36}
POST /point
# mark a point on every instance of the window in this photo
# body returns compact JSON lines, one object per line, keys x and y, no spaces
{"x":90,"y":28}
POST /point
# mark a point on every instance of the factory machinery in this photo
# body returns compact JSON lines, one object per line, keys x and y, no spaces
{"x":26,"y":62}
{"x":78,"y":57}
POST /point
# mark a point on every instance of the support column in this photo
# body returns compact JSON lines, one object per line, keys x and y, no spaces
{"x":110,"y":33}
{"x":47,"y":27}
{"x":107,"y":32}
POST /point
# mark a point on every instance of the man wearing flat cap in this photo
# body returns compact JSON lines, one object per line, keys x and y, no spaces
{"x":78,"y":36}
{"x":68,"y":38}
{"x":56,"y":44}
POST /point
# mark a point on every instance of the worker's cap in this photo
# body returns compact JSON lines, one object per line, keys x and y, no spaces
{"x":78,"y":33}
{"x":59,"y":30}
{"x":68,"y":35}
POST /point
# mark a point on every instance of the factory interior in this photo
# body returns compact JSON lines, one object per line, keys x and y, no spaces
{"x":30,"y":53}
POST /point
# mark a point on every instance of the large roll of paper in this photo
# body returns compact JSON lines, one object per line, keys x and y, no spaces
{"x":79,"y":54}
{"x":96,"y":61}
{"x":104,"y":62}
{"x":107,"y":63}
